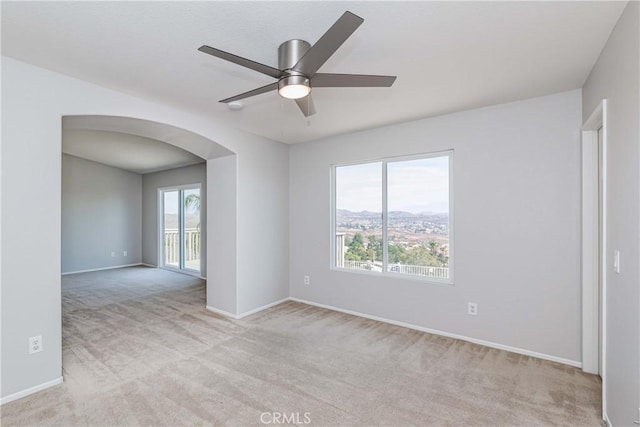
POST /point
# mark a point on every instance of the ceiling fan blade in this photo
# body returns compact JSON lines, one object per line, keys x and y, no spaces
{"x":351,"y":80}
{"x":256,"y":66}
{"x":263,"y":89}
{"x":330,"y":41}
{"x":306,"y":105}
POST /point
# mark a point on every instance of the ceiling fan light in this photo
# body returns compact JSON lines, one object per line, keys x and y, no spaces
{"x":294,"y":87}
{"x":294,"y":91}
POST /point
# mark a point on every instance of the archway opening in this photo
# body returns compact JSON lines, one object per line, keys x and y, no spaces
{"x":210,"y":167}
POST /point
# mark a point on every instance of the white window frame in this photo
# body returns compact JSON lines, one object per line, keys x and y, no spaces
{"x":160,"y":231}
{"x":385,"y":254}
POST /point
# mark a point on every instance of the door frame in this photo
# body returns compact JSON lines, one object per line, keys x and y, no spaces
{"x":594,"y":244}
{"x":160,"y":231}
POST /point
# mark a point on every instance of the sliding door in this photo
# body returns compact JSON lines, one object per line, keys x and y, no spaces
{"x":180,"y":228}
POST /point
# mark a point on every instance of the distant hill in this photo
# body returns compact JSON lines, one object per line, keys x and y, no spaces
{"x":190,"y":221}
{"x":435,"y":217}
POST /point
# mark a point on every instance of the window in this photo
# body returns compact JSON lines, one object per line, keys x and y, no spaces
{"x":393,"y":217}
{"x":180,"y":228}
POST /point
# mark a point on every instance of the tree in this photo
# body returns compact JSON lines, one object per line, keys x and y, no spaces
{"x":356,"y":251}
{"x":192,"y":202}
{"x":374,"y":248}
{"x":397,"y":254}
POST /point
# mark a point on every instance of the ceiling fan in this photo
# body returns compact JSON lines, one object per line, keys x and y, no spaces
{"x":299,"y":62}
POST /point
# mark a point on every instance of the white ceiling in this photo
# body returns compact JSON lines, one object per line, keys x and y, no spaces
{"x":129,"y":152}
{"x":448,"y":56}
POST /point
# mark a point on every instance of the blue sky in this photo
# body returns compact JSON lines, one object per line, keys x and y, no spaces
{"x":414,"y":186}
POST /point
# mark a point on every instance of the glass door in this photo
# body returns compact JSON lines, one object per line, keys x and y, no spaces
{"x":180,"y":230}
{"x":191,"y":229}
{"x":171,"y":229}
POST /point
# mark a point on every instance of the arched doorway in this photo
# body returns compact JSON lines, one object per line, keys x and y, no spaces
{"x":220,"y":188}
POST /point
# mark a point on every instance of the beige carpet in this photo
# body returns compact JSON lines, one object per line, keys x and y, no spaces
{"x":140,"y":349}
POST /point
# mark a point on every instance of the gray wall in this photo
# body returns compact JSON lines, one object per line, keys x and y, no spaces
{"x":616,"y":77}
{"x":101,"y":214}
{"x":222,"y":292}
{"x":31,"y":205}
{"x":196,"y":174}
{"x":263,"y":227}
{"x":516,"y":178}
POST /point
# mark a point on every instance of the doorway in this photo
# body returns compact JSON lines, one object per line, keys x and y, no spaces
{"x":180,"y":231}
{"x":600,"y":243}
{"x":594,"y":244}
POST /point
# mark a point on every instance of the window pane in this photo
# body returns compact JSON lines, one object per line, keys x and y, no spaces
{"x":359,"y":217}
{"x":418,"y":217}
{"x":171,"y":230}
{"x":192,"y":229}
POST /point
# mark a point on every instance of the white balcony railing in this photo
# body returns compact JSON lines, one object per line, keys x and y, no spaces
{"x":191,"y":247}
{"x":416,"y":270}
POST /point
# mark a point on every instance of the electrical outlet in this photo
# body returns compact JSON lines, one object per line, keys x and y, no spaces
{"x":472,"y":309}
{"x":113,"y":254}
{"x":307,"y":280}
{"x":35,"y":344}
{"x":124,"y":253}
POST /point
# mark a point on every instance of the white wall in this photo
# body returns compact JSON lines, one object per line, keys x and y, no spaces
{"x":516,"y":219}
{"x":222,"y":294}
{"x":33,"y":102}
{"x":263,"y":228}
{"x":196,"y":174}
{"x":101,"y":214}
{"x":615,"y":77}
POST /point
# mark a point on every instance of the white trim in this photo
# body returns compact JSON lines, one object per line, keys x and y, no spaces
{"x":490,"y":344}
{"x":221,"y":312}
{"x":596,"y":118}
{"x":31,"y":390}
{"x":246,"y":313}
{"x":516,"y":350}
{"x":113,"y":267}
{"x":385,"y":219}
{"x":591,"y":251}
{"x":385,"y":255}
{"x":148,"y":265}
{"x":264,"y":307}
{"x":160,"y":231}
{"x":332,"y":219}
{"x":535,"y":354}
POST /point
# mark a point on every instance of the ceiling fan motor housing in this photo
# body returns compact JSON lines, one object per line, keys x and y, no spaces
{"x":290,"y":52}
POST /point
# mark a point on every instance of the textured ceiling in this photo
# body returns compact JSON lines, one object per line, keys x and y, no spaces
{"x":448,"y":56}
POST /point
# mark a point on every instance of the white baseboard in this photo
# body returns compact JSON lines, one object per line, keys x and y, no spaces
{"x":179,"y":271}
{"x":30,"y":390}
{"x":264,"y":307}
{"x":246,"y":313}
{"x":221,"y":312}
{"x":148,"y":265}
{"x":102,"y":268}
{"x":564,"y":361}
